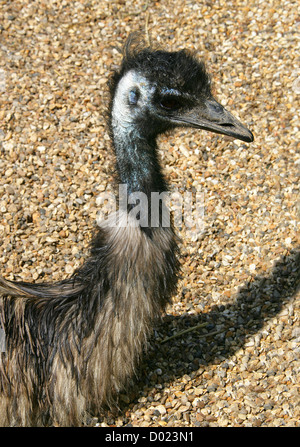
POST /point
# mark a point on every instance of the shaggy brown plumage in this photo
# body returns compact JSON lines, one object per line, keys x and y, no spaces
{"x":71,"y":346}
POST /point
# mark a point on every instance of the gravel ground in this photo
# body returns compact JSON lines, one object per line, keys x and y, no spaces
{"x":240,"y":279}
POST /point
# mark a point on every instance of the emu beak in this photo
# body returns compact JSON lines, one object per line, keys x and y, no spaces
{"x":212,"y":116}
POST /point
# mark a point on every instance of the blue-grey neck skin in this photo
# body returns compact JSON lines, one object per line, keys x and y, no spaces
{"x":134,"y":137}
{"x":134,"y":140}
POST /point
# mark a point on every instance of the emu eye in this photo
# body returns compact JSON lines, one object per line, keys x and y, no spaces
{"x":170,"y":103}
{"x":133,"y":96}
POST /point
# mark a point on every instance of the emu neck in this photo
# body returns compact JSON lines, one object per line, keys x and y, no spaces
{"x":134,"y":138}
{"x":137,"y":164}
{"x":139,"y":170}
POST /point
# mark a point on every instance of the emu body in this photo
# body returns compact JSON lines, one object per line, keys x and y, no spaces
{"x":71,"y":346}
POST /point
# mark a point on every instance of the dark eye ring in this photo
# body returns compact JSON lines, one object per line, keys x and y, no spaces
{"x":170,"y":103}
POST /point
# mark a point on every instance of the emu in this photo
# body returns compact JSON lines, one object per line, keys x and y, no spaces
{"x":71,"y":346}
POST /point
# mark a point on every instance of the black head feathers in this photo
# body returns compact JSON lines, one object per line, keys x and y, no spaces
{"x":179,"y":70}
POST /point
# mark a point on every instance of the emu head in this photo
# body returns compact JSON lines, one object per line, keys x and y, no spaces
{"x":155,"y":91}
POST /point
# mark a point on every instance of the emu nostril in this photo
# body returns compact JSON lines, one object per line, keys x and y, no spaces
{"x":216,"y":107}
